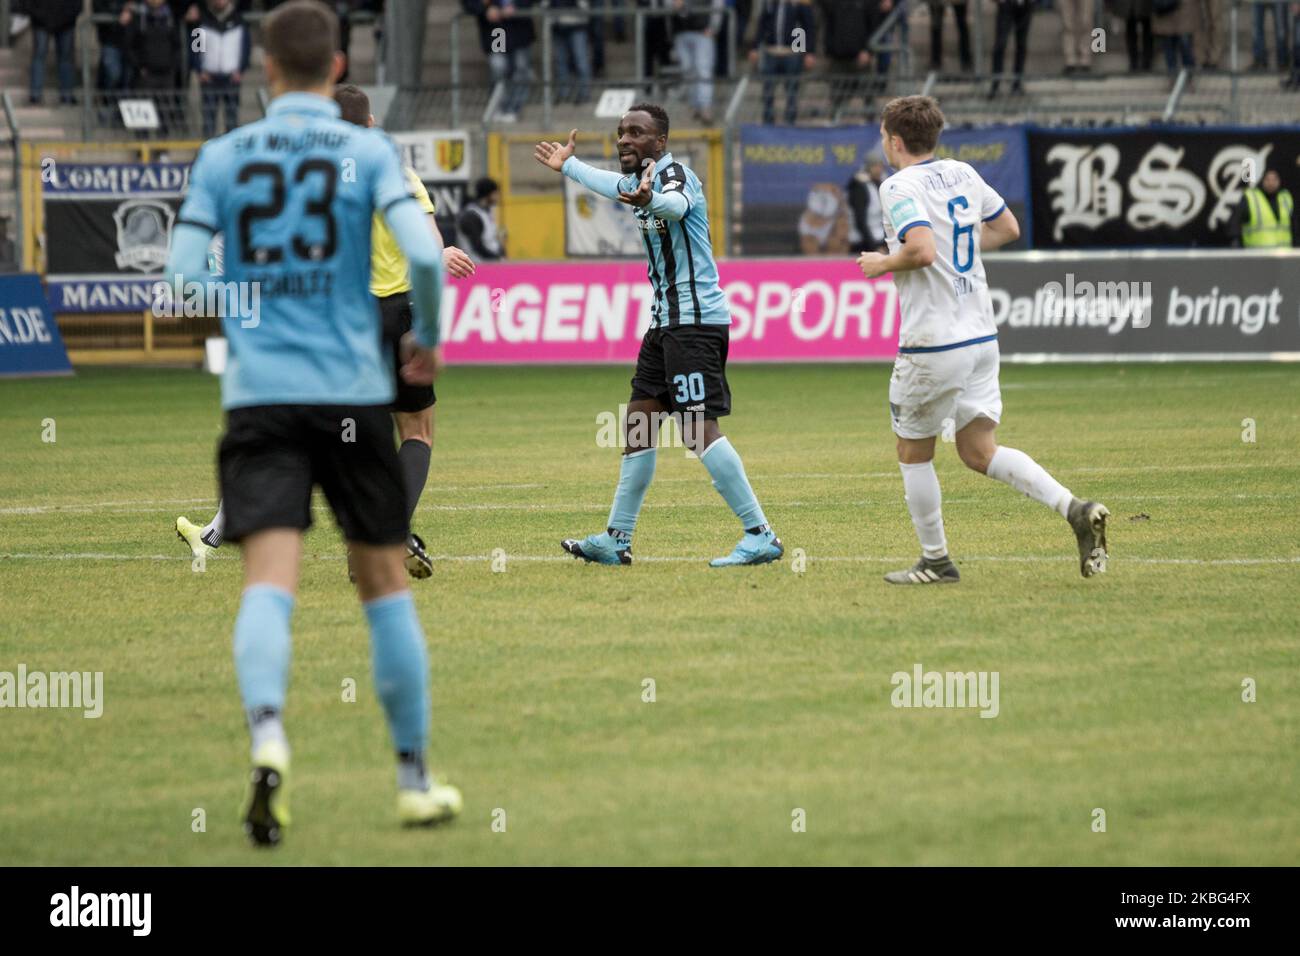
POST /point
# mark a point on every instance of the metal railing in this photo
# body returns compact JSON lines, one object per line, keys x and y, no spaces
{"x":545,"y":18}
{"x":15,"y":143}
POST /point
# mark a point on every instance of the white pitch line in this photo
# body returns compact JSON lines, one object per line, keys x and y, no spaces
{"x":128,"y":507}
{"x":671,"y":559}
{"x":565,"y":507}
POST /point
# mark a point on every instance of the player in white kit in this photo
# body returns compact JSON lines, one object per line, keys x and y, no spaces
{"x":939,"y":216}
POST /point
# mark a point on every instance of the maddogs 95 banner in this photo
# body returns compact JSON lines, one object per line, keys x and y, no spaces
{"x":1153,"y":186}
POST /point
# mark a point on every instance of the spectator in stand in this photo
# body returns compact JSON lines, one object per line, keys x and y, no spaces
{"x":936,"y":33}
{"x":478,"y":9}
{"x":1076,"y":34}
{"x":1138,"y":41}
{"x":693,"y":33}
{"x":511,"y":59}
{"x":724,"y":51}
{"x":847,"y":26}
{"x":570,"y":36}
{"x":220,"y":57}
{"x":783,"y":47}
{"x":112,"y":76}
{"x":657,"y":48}
{"x":1211,"y":32}
{"x":597,"y":27}
{"x":477,"y":226}
{"x":54,"y":20}
{"x":154,"y":54}
{"x":186,"y":11}
{"x":1175,"y":22}
{"x":866,"y":219}
{"x":1266,"y":217}
{"x":1012,"y":14}
{"x":1259,"y":48}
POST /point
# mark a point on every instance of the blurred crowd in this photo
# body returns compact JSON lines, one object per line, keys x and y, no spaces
{"x":150,"y":48}
{"x":155,"y":45}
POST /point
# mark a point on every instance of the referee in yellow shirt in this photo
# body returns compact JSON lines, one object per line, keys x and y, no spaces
{"x":390,"y":283}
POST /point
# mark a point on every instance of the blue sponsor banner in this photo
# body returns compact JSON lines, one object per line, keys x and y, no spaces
{"x":85,"y":180}
{"x":795,"y":181}
{"x":30,"y":343}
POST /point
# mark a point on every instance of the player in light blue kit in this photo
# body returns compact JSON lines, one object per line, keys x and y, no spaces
{"x":682,"y":366}
{"x":307,"y":389}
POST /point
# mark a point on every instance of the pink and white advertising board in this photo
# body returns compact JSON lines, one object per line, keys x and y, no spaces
{"x":783,"y":310}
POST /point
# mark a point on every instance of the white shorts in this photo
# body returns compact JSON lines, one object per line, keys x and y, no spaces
{"x":931,"y":392}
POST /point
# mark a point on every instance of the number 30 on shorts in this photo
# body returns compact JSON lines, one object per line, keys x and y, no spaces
{"x":690,"y":388}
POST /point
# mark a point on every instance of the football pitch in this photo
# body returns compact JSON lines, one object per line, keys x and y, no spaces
{"x":771,"y":737}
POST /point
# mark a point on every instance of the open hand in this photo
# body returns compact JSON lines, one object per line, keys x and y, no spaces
{"x":644,"y":190}
{"x":554,"y":154}
{"x":457,"y":264}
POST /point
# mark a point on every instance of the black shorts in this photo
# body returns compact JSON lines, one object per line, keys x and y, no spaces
{"x":272,"y":455}
{"x":395,"y":311}
{"x":684,"y":368}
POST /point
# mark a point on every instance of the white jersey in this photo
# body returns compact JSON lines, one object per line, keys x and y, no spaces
{"x":946,"y":303}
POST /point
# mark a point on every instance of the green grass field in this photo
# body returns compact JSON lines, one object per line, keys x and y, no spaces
{"x":1123,"y":692}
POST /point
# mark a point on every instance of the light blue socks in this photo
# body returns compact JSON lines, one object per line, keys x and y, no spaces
{"x":262,"y":647}
{"x":729,"y":478}
{"x":401,"y":665}
{"x":634,"y":477}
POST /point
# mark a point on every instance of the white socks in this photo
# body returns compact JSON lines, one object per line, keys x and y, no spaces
{"x":921,"y":486}
{"x":211,"y":535}
{"x":1027,"y":476}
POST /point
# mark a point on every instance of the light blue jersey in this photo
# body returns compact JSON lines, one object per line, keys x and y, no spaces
{"x":675,"y":229}
{"x":293,"y":196}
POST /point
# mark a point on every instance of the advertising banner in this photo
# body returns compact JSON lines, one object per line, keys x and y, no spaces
{"x":1151,"y":186}
{"x":794,"y":181}
{"x":107,"y":232}
{"x":30,"y":343}
{"x":788,"y":310}
{"x":1047,"y":306}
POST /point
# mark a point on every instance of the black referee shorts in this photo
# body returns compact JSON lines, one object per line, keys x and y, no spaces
{"x":272,"y":455}
{"x":395,"y":311}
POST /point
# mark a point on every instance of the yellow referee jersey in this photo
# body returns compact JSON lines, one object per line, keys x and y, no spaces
{"x":389,"y":274}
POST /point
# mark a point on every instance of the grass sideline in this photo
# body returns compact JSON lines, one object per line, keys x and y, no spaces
{"x":772,"y":688}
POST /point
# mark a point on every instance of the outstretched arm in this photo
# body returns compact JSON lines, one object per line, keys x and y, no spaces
{"x":559,"y":157}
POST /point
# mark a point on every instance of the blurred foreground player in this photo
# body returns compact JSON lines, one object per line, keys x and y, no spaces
{"x":412,"y":409}
{"x":682,"y":366}
{"x":939,"y":215}
{"x":307,"y":390}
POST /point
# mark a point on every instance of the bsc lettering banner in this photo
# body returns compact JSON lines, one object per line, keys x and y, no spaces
{"x":30,"y":343}
{"x":1150,"y":186}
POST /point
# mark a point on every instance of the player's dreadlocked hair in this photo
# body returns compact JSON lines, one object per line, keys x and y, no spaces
{"x":657,"y":113}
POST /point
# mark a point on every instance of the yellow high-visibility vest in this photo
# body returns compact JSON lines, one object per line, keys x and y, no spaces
{"x":1264,"y":229}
